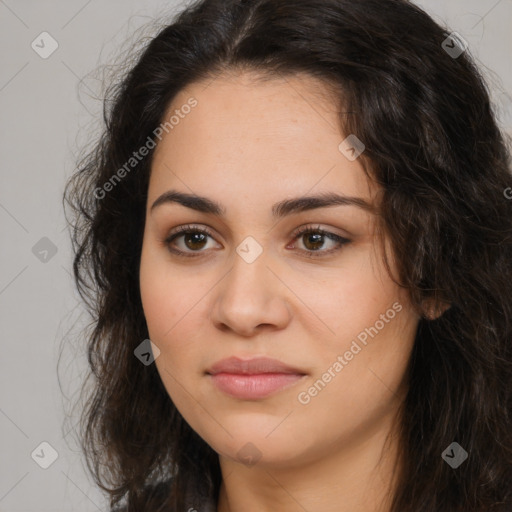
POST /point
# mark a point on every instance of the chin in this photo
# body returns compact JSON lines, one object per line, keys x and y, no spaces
{"x":254,"y":441}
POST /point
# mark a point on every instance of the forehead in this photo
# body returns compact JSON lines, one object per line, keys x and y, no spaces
{"x":247,"y":108}
{"x":256,"y":138}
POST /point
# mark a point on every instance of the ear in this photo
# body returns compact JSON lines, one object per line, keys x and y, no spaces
{"x":432,"y":309}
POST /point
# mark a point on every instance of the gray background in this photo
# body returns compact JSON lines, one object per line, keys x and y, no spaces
{"x":50,"y":108}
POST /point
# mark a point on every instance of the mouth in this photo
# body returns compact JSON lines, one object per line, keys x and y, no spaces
{"x":253,"y":379}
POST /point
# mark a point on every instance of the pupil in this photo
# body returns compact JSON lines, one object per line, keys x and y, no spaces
{"x":197,"y":238}
{"x":316,"y":239}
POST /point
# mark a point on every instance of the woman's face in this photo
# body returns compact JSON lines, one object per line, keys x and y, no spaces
{"x":322,"y":306}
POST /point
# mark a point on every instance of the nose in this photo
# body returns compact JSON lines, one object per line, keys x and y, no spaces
{"x":251,"y":299}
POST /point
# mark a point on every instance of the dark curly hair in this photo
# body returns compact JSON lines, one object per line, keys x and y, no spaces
{"x":432,"y":144}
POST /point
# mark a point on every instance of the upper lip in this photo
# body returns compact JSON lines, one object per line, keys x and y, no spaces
{"x":252,"y":366}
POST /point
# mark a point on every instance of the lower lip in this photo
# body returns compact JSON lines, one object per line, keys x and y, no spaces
{"x":252,"y":387}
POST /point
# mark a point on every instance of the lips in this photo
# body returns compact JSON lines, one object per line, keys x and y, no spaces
{"x":253,"y":366}
{"x":253,"y":379}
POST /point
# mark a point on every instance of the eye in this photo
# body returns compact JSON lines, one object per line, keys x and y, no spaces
{"x":313,"y":239}
{"x":195,"y":239}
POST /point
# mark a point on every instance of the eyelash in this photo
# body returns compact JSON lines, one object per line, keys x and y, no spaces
{"x":190,"y":229}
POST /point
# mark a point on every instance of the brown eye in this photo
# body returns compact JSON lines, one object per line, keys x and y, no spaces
{"x":193,"y":240}
{"x":190,"y":241}
{"x":314,"y":239}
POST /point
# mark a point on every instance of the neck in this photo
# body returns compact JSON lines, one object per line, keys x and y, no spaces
{"x":359,"y":476}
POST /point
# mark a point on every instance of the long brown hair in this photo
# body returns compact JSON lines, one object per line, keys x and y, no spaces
{"x":432,"y":143}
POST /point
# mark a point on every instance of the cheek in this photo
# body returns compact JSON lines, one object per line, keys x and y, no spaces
{"x":355,"y":387}
{"x":346,"y":302}
{"x":160,"y":295}
{"x":156,"y":298}
{"x":171,"y":301}
{"x":165,"y":310}
{"x":369,"y":322}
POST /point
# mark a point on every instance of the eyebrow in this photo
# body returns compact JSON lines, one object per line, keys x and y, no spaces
{"x":279,"y":210}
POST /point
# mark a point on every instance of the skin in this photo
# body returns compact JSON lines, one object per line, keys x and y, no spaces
{"x":248,"y":145}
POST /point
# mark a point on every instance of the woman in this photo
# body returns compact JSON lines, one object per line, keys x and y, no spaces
{"x":295,"y":242}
